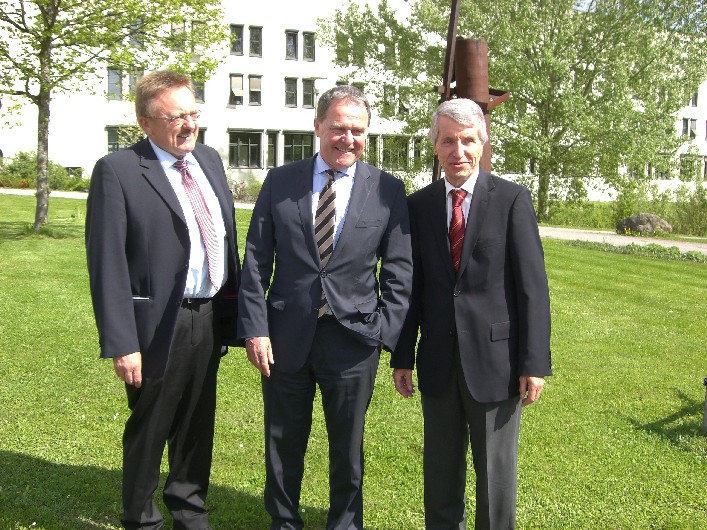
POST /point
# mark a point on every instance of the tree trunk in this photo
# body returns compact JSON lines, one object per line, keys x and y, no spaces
{"x":41,"y":216}
{"x":543,"y":213}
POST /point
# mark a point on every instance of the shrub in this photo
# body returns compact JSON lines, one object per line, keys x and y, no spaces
{"x":21,"y":172}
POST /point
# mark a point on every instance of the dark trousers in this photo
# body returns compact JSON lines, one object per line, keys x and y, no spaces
{"x":345,"y":371}
{"x":177,"y":410}
{"x":453,"y":421}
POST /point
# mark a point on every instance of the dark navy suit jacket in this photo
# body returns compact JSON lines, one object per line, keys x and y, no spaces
{"x":137,"y":248}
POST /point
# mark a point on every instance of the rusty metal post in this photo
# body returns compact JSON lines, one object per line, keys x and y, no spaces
{"x":471,"y":70}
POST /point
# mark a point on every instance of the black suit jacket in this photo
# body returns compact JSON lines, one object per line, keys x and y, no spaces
{"x":371,"y":304}
{"x":497,"y":306}
{"x":137,"y":248}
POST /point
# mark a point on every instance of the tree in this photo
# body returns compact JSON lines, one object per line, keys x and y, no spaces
{"x":54,"y":46}
{"x":595,"y":84}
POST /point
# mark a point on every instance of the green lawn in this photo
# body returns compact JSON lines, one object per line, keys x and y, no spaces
{"x":614,"y":443}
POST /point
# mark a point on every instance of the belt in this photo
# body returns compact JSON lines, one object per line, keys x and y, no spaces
{"x":327,"y":318}
{"x":191,"y":303}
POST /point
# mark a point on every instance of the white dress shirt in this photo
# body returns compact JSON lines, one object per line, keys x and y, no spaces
{"x":198,"y":282}
{"x":343,"y":184}
{"x":468,"y":187}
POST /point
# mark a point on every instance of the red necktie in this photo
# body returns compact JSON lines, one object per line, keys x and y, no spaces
{"x":456,"y":228}
{"x":205,"y":222}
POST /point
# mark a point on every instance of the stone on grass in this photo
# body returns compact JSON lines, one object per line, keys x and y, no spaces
{"x":643,"y":224}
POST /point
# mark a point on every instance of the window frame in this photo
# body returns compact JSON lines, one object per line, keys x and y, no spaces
{"x":249,"y":140}
{"x":291,"y":45}
{"x":255,"y":45}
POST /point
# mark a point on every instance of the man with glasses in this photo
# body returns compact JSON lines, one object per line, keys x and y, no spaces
{"x":164,"y":273}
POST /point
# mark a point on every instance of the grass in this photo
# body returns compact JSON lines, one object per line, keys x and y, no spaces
{"x":614,"y":443}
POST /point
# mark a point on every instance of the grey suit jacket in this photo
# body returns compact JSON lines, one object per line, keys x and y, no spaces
{"x":137,"y":248}
{"x":371,"y":304}
{"x":497,"y":307}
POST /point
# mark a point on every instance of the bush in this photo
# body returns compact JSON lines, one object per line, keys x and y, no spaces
{"x":21,"y":172}
{"x":246,"y":190}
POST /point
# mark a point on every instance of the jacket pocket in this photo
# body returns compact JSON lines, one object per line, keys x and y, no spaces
{"x":501,"y":331}
{"x":365,"y":223}
{"x":277,"y":304}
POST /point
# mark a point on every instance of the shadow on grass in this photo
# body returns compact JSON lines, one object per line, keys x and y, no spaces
{"x":14,"y":230}
{"x":35,"y":493}
{"x":677,"y":426}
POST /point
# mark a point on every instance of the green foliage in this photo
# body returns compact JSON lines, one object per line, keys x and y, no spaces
{"x":21,"y":172}
{"x":246,"y":189}
{"x":588,"y":80}
{"x":618,"y":423}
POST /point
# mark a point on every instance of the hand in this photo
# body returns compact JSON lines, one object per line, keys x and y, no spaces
{"x":403,"y":382}
{"x":530,"y":388}
{"x":259,"y":352}
{"x":129,"y":368}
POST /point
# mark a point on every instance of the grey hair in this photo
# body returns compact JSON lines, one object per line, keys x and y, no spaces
{"x":463,"y":111}
{"x":338,"y":93}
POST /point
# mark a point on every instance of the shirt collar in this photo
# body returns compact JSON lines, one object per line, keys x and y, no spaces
{"x":166,"y":159}
{"x":320,"y":167}
{"x":467,"y":186}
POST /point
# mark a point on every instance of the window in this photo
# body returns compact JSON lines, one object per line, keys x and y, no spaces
{"x":135,"y":74}
{"x":690,"y":167}
{"x":693,"y":100}
{"x":291,"y":44}
{"x":689,"y":128}
{"x":308,"y":93}
{"x":256,"y":41}
{"x":201,"y":135}
{"x":236,"y":95}
{"x":290,"y":92}
{"x":115,"y":84}
{"x":199,"y":94}
{"x":119,"y":138}
{"x":395,"y":152}
{"x":308,"y":46}
{"x":389,"y":56}
{"x":198,"y":31}
{"x":244,"y":149}
{"x":371,"y":153}
{"x":272,"y":149}
{"x":298,"y":146}
{"x":236,"y":39}
{"x":388,"y":101}
{"x":254,"y":89}
{"x":137,"y":35}
{"x":176,"y":39}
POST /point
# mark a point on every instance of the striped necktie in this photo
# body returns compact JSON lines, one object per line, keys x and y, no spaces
{"x":324,"y":228}
{"x":205,"y":222}
{"x":457,"y":228}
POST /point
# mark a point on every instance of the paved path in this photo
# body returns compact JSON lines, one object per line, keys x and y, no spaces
{"x":598,"y":236}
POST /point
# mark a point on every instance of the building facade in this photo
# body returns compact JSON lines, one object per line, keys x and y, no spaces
{"x":258,"y":108}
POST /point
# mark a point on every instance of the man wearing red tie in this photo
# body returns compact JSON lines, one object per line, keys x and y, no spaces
{"x":481,"y":306}
{"x":164,"y":274}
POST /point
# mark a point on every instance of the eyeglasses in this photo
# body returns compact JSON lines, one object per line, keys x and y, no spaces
{"x":180,"y":119}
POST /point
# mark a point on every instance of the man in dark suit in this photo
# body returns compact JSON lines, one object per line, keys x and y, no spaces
{"x":164,"y":271}
{"x":323,"y":224}
{"x":481,"y":305}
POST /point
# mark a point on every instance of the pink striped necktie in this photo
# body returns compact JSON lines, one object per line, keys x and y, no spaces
{"x":457,"y":227}
{"x":207,"y":228}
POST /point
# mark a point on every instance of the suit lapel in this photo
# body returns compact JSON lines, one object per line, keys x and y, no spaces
{"x":303,"y":184}
{"x":154,"y":174}
{"x":362,"y":185}
{"x":477,"y":214}
{"x":438,"y":223}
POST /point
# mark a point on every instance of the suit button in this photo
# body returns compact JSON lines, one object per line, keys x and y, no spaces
{"x":457,"y":293}
{"x":323,"y":274}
